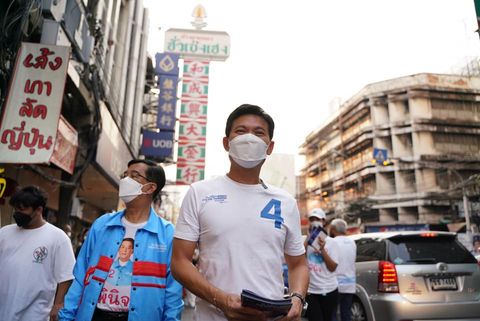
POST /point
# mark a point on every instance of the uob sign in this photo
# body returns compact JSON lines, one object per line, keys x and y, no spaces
{"x":157,"y":145}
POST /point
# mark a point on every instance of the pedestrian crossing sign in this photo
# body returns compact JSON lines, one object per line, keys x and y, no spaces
{"x":379,"y":156}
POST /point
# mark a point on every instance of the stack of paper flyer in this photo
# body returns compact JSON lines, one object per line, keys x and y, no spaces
{"x":272,"y":308}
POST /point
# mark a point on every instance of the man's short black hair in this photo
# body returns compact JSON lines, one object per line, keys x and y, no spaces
{"x":154,"y":174}
{"x":29,"y":196}
{"x":129,"y":239}
{"x":247,"y":109}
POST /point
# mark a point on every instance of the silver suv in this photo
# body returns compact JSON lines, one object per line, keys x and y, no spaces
{"x":403,"y":276}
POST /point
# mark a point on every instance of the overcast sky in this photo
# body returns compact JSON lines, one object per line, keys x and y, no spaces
{"x":293,"y":58}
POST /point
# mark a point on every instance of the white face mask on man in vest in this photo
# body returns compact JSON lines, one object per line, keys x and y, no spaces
{"x":129,"y":189}
{"x":247,"y":150}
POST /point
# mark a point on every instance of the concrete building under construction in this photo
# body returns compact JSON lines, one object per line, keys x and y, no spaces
{"x":425,"y":129}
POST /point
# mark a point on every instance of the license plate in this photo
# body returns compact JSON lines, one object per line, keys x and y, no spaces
{"x":440,"y":284}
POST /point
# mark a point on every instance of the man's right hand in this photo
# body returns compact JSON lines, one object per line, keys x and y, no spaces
{"x":231,"y":306}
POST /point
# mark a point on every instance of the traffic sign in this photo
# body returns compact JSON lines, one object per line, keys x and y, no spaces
{"x":380,"y":155}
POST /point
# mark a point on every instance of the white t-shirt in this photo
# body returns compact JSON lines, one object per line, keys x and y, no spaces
{"x":243,"y":232}
{"x":346,"y":266}
{"x":322,"y":281}
{"x":32,"y":263}
{"x":115,"y":294}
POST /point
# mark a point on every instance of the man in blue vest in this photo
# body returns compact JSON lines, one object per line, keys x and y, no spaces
{"x":147,"y":290}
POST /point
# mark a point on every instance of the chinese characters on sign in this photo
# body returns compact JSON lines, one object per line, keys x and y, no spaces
{"x":32,"y":110}
{"x":190,"y":173}
{"x":167,"y":69}
{"x":193,"y":153}
{"x":194,"y":109}
{"x":193,"y":122}
{"x":167,"y":103}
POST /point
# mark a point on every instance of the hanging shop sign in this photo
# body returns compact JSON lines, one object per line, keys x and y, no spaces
{"x":198,"y":44}
{"x":32,"y":110}
{"x":157,"y":145}
{"x":66,"y":146}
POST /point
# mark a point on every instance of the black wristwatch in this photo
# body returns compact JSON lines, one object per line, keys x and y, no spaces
{"x":302,"y":299}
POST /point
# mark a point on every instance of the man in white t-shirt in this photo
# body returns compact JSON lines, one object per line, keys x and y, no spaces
{"x":244,"y":229}
{"x":323,"y":257}
{"x":36,"y":261}
{"x":346,"y":267}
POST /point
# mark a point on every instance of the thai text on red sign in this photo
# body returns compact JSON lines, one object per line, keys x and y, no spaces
{"x":32,"y":110}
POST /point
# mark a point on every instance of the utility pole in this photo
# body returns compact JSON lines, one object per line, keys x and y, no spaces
{"x":466,"y":211}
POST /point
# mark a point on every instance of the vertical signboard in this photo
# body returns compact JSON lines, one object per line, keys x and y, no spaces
{"x":159,"y":144}
{"x":32,"y":110}
{"x":197,"y":48}
{"x":167,"y":71}
{"x":193,"y":122}
{"x":167,"y":102}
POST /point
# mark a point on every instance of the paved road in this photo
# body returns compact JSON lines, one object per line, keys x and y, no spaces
{"x":187,"y":314}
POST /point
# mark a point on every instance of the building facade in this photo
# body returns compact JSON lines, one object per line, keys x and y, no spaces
{"x":103,"y":98}
{"x":427,"y":126}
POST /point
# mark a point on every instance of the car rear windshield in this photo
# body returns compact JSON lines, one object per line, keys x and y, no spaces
{"x":415,"y":249}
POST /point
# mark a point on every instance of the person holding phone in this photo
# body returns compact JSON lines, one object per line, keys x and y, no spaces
{"x":323,"y":257}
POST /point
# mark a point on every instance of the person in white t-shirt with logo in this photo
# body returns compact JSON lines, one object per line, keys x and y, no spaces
{"x":323,"y":257}
{"x":36,"y":261}
{"x":244,"y":229}
{"x":346,"y":273}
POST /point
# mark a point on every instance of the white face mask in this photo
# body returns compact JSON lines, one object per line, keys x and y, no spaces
{"x":129,"y":189}
{"x":315,"y":224}
{"x":248,"y":150}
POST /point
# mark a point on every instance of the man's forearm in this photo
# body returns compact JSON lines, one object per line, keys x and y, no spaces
{"x":331,"y":264}
{"x":62,"y":289}
{"x":298,"y":278}
{"x":189,"y":276}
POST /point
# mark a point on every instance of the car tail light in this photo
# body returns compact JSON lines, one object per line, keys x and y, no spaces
{"x":387,"y":277}
{"x":428,"y":234}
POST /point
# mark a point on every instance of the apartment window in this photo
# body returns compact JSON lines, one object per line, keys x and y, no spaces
{"x":442,"y":178}
{"x":453,"y":109}
{"x":456,"y":143}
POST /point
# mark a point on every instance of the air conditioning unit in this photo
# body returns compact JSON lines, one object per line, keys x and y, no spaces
{"x":77,"y":29}
{"x":54,"y":9}
{"x":53,"y":34}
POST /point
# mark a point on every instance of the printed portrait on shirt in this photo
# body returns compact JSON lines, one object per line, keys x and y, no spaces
{"x":125,"y":251}
{"x":115,"y":294}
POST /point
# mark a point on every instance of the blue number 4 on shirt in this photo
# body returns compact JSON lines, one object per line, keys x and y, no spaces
{"x":275,"y":207}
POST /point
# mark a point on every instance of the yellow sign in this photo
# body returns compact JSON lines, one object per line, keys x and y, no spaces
{"x":3,"y":186}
